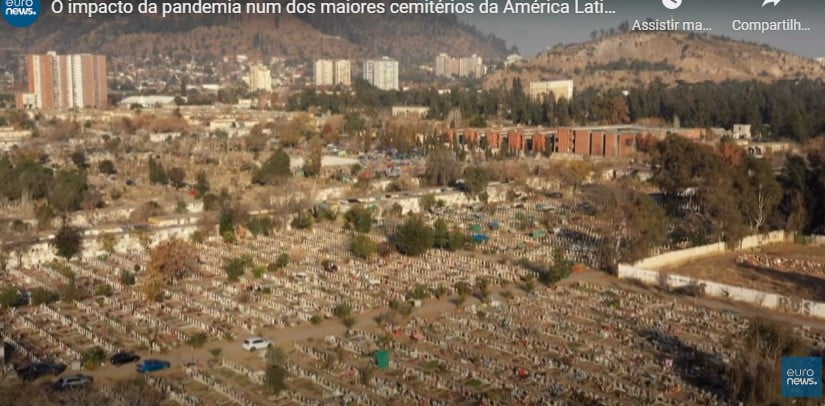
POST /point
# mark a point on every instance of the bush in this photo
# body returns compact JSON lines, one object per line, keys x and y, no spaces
{"x":560,"y":269}
{"x":362,"y":246}
{"x":302,"y":221}
{"x":414,"y":237}
{"x":10,"y":296}
{"x":235,"y":268}
{"x":282,"y":261}
{"x":92,"y":357}
{"x":315,"y":319}
{"x":197,"y":340}
{"x":359,"y":219}
{"x":103,"y":289}
{"x":258,"y":271}
{"x":419,"y":292}
{"x":42,"y":295}
{"x":127,"y":278}
{"x":260,"y":226}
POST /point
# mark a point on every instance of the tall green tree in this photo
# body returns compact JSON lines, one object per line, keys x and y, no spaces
{"x":413,"y":237}
{"x":68,"y":241}
{"x":275,"y":170}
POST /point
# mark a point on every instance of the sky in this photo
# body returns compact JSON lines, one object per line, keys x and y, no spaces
{"x":535,"y":33}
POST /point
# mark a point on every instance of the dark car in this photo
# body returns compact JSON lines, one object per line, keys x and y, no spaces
{"x":124,"y":357}
{"x":73,"y":381}
{"x":150,"y":365}
{"x":36,"y":370}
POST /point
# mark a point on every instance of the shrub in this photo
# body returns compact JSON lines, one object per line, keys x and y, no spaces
{"x":362,"y":246}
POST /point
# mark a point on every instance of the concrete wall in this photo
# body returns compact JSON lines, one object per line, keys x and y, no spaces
{"x":680,"y":256}
{"x":644,"y":272}
{"x":751,"y":296}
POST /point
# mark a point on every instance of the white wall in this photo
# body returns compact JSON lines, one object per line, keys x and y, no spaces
{"x":680,"y":256}
{"x":643,"y":271}
{"x":754,"y":297}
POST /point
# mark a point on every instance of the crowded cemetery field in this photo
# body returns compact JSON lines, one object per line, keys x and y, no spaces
{"x":443,"y":328}
{"x":790,"y":269}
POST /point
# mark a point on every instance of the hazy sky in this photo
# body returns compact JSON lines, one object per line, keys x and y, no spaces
{"x":534,"y":33}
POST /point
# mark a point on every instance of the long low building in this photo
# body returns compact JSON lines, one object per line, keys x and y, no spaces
{"x":605,"y":141}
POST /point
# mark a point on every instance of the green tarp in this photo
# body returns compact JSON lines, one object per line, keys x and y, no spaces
{"x":382,"y":359}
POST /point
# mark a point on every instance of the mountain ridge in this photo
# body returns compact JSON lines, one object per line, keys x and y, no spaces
{"x":413,"y":39}
{"x":637,"y":58}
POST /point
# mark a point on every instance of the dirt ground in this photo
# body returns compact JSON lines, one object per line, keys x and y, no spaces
{"x":723,"y":269}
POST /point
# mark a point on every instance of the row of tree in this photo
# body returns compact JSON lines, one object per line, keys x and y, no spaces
{"x":783,"y":109}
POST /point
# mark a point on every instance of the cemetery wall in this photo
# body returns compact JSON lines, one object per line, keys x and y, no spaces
{"x":679,"y":256}
{"x":43,"y":252}
{"x":751,"y":296}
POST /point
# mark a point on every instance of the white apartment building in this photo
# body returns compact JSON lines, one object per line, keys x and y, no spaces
{"x":343,"y":73}
{"x":324,"y":72}
{"x":382,"y":73}
{"x":260,"y":78}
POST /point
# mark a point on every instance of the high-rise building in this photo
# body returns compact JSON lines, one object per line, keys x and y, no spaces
{"x":343,"y":73}
{"x":382,"y":73}
{"x":447,"y":66}
{"x":65,"y":81}
{"x":442,"y":66}
{"x":260,"y":78}
{"x":471,"y":66}
{"x":324,"y":72}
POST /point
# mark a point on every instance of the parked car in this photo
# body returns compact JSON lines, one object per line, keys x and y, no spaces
{"x":151,"y":365}
{"x":73,"y":381}
{"x":256,"y":343}
{"x":124,"y":357}
{"x":36,"y":370}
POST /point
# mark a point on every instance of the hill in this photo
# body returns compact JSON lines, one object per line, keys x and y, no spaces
{"x":636,"y":58}
{"x":412,"y":39}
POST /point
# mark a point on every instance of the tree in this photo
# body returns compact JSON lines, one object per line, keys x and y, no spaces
{"x":157,"y":174}
{"x":762,"y":193}
{"x":558,"y":270}
{"x":226,"y":225}
{"x":201,"y":184}
{"x":441,"y":234}
{"x":106,"y":167}
{"x":413,"y":237}
{"x":10,"y":296}
{"x":236,"y":267}
{"x":302,"y":221}
{"x":427,"y":202}
{"x":442,"y":168}
{"x":41,"y":295}
{"x":573,"y":174}
{"x":68,"y":190}
{"x":177,"y":176}
{"x":635,"y":224}
{"x":358,"y":218}
{"x":755,"y":373}
{"x":475,"y":181}
{"x":79,"y":160}
{"x":362,"y":246}
{"x":312,"y":165}
{"x":168,"y":262}
{"x":275,"y":170}
{"x":275,"y":373}
{"x":68,"y":241}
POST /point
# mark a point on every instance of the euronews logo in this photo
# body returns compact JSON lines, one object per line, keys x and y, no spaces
{"x":802,"y":377}
{"x":20,"y":13}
